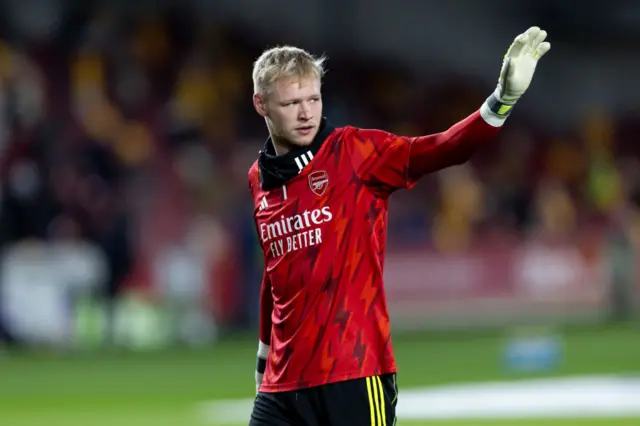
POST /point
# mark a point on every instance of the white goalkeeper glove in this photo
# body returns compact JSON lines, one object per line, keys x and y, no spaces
{"x":517,"y":71}
{"x":261,"y":363}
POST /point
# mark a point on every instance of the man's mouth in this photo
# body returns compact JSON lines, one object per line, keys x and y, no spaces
{"x":304,"y":130}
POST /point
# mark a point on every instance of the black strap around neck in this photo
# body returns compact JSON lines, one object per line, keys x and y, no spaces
{"x":276,"y":170}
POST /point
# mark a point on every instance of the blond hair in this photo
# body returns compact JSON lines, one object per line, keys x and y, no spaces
{"x":284,"y":61}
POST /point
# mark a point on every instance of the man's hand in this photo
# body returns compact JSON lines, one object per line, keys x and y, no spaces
{"x":517,"y":71}
{"x":520,"y":63}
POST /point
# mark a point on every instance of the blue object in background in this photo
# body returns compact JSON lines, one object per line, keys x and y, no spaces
{"x":532,"y":351}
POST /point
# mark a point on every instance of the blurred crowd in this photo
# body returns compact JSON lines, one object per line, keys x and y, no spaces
{"x":137,"y":135}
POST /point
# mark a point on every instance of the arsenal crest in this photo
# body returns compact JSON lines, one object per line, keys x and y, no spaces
{"x":318,"y":182}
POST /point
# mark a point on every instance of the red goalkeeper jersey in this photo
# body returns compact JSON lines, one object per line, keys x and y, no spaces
{"x":321,"y":219}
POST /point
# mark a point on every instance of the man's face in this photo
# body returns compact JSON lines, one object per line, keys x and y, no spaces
{"x":293,"y":110}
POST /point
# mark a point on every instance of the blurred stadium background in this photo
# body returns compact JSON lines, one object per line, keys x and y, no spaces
{"x":129,"y":271}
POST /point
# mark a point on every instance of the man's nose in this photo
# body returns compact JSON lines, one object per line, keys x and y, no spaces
{"x":305,"y":111}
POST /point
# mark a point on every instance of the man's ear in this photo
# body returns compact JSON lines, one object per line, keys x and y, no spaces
{"x":259,"y":104}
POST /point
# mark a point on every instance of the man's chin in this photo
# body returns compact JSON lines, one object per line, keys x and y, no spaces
{"x":295,"y":140}
{"x":302,"y":140}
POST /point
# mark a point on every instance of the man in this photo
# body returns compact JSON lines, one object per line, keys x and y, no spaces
{"x":320,"y":195}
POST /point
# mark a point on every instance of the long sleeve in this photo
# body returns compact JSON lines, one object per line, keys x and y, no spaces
{"x":266,"y":311}
{"x":266,"y":298}
{"x":386,"y":162}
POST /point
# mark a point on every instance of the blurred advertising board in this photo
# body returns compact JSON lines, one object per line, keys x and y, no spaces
{"x":39,"y":284}
{"x":52,"y":294}
{"x":49,"y":293}
{"x":499,"y":284}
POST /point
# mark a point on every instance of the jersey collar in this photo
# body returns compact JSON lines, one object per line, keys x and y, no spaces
{"x":276,"y":170}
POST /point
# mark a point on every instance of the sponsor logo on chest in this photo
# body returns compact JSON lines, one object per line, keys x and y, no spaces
{"x":292,"y":233}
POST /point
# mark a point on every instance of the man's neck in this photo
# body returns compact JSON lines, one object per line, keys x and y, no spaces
{"x":278,"y":147}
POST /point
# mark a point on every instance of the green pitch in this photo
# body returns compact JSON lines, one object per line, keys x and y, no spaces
{"x":152,"y":418}
{"x":533,"y":422}
{"x":117,"y":388}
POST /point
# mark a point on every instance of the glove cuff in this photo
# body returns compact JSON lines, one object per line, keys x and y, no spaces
{"x":495,"y":111}
{"x":263,"y":350}
{"x":263,"y":353}
{"x":261,"y":365}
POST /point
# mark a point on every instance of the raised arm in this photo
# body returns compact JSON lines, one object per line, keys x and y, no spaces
{"x":386,"y":162}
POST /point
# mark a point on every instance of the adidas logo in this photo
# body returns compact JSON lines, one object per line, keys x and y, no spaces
{"x":303,"y":160}
{"x":263,"y":204}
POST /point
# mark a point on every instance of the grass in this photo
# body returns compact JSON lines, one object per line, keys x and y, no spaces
{"x":532,"y":422}
{"x":140,"y":389}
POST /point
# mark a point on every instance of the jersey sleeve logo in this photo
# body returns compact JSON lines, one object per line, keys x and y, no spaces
{"x":263,"y":204}
{"x":319,"y":182}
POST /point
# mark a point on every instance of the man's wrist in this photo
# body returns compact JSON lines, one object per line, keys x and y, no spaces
{"x":261,"y":361}
{"x":495,"y":110}
{"x":261,"y":365}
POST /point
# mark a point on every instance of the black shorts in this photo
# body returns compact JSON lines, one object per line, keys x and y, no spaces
{"x":370,"y":401}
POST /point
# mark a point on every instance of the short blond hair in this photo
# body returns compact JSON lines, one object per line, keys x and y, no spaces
{"x":285,"y":61}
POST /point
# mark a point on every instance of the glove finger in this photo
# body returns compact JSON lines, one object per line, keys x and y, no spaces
{"x":541,"y":50}
{"x":506,"y":66}
{"x":538,"y":39}
{"x":533,"y":34}
{"x":517,"y":46}
{"x":506,"y":71}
